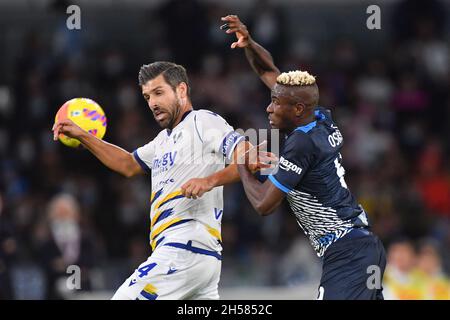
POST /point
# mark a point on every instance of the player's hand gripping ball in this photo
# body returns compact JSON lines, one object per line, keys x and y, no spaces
{"x":85,"y":113}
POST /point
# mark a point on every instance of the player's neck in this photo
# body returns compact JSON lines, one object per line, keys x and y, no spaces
{"x":184,"y":110}
{"x":301,"y":121}
{"x":306,"y":119}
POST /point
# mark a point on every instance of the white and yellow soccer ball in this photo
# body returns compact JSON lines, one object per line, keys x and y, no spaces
{"x":87,"y":114}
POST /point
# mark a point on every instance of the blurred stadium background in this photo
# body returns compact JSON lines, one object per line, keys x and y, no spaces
{"x":388,"y":88}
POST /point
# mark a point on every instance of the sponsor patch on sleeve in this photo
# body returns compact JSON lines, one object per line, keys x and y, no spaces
{"x":287,"y":166}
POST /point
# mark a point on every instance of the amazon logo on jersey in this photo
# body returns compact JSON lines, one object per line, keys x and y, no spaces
{"x":287,"y":166}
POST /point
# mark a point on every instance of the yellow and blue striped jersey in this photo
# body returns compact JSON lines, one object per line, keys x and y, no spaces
{"x":197,"y":147}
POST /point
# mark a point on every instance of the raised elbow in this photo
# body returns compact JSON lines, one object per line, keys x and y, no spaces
{"x":130,"y":167}
{"x":131,"y":171}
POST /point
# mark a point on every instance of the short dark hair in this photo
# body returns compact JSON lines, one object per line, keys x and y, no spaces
{"x":173,"y":74}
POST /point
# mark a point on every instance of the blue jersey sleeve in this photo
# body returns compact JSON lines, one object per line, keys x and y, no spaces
{"x":296,"y":157}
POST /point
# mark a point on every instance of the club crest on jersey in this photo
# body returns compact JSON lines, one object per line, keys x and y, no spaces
{"x":287,"y":166}
{"x":177,"y":137}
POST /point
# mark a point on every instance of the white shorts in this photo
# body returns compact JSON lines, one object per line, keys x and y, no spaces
{"x":173,"y":274}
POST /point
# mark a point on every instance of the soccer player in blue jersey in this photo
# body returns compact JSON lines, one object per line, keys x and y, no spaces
{"x":311,"y":177}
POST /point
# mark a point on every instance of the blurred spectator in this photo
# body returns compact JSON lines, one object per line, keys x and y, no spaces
{"x":436,"y":285}
{"x":410,"y":98}
{"x":374,"y":87}
{"x":267,"y":25}
{"x":408,"y":15}
{"x":8,"y":251}
{"x":61,"y":242}
{"x":186,"y":27}
{"x":299,"y":264}
{"x":400,"y":283}
{"x":433,"y":182}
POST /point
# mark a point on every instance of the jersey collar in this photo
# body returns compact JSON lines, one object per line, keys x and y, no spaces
{"x":307,"y":127}
{"x":169,"y":131}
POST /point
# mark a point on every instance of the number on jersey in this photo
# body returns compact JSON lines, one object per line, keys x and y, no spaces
{"x":340,"y":171}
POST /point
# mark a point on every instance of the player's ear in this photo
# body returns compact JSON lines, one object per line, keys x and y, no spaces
{"x":299,"y":109}
{"x":182,"y":90}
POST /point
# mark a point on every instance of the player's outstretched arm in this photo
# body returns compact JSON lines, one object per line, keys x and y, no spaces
{"x":256,"y":160}
{"x":196,"y":187}
{"x":110,"y":155}
{"x":259,"y":58}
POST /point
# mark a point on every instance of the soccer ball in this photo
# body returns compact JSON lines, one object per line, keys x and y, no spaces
{"x":87,"y":114}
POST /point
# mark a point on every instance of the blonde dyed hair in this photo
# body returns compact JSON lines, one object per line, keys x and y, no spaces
{"x":296,"y":78}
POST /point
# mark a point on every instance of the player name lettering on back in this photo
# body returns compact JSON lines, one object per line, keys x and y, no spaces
{"x":286,"y":165}
{"x":335,"y":138}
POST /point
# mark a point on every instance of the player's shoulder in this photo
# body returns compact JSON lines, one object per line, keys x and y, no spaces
{"x":321,"y":116}
{"x":207,"y":114}
{"x":311,"y":136}
{"x":299,"y":141}
{"x":161,"y":135}
{"x":209,"y":118}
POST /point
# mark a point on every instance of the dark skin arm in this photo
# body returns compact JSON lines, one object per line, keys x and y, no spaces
{"x":259,"y":58}
{"x":196,"y":187}
{"x":264,"y":197}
